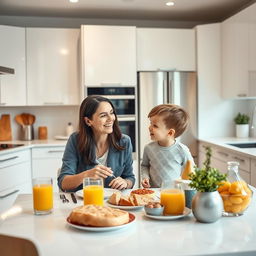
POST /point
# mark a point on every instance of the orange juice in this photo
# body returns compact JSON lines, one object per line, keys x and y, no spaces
{"x":43,"y":197}
{"x":93,"y":194}
{"x":173,"y":201}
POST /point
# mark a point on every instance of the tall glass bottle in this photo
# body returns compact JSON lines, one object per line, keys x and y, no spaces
{"x":235,"y":192}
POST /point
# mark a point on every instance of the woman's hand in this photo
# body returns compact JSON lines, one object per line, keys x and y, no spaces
{"x":99,"y":171}
{"x":118,"y":183}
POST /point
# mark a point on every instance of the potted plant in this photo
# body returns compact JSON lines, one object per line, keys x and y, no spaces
{"x":207,"y":204}
{"x":242,"y":125}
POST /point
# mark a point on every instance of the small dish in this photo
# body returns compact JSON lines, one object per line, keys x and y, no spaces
{"x":154,"y":211}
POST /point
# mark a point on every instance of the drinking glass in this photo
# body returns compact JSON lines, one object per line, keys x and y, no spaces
{"x":42,"y":195}
{"x":93,"y":191}
{"x":172,"y":198}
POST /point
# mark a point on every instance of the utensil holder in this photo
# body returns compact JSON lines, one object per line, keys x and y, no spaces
{"x":27,"y":132}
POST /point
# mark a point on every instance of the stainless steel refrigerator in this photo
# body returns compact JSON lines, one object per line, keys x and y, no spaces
{"x":167,"y":87}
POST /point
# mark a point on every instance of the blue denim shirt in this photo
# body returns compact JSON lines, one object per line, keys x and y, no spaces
{"x":119,"y":161}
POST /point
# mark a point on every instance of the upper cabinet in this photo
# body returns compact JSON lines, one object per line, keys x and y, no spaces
{"x":109,"y":55}
{"x":165,"y":49}
{"x":12,"y":55}
{"x":52,"y":66}
{"x":239,"y":55}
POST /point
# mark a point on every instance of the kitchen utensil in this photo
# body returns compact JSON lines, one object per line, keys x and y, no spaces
{"x":5,"y":128}
{"x":24,"y":117}
{"x":73,"y":198}
{"x":64,"y":199}
{"x":31,"y":119}
{"x":19,"y":120}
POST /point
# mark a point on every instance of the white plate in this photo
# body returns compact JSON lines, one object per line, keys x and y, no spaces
{"x":123,"y":207}
{"x":59,"y":137}
{"x":107,"y":192}
{"x":101,"y":229}
{"x":187,"y":211}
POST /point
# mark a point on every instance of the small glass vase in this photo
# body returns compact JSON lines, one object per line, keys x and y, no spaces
{"x":235,"y":192}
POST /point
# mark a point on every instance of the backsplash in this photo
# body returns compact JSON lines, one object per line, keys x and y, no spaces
{"x":55,"y":118}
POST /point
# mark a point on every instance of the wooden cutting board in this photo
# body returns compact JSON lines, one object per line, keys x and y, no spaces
{"x":5,"y":128}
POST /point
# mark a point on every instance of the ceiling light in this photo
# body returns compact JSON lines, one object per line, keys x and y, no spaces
{"x":170,"y":3}
{"x":73,"y":1}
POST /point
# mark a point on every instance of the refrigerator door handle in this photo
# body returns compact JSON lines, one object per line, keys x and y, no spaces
{"x":165,"y":92}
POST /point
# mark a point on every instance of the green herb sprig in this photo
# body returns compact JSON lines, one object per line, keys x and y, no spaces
{"x":207,"y":178}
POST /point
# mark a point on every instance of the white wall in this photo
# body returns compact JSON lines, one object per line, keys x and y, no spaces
{"x":215,"y":114}
{"x":55,"y":118}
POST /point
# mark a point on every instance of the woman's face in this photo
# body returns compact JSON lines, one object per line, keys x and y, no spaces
{"x":102,"y":120}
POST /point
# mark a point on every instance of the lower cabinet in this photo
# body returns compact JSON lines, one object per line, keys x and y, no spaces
{"x":46,"y":161}
{"x":253,"y":172}
{"x":220,"y":157}
{"x":15,"y":176}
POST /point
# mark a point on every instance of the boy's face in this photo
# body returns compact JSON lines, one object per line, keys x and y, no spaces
{"x":158,"y":130}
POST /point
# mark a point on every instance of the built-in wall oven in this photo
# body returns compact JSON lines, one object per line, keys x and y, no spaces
{"x":123,"y":98}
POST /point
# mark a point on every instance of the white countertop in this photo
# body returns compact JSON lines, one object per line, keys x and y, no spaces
{"x":32,"y":144}
{"x":224,"y":141}
{"x":145,"y":237}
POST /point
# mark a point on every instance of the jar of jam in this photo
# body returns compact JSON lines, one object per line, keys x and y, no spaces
{"x":235,"y":192}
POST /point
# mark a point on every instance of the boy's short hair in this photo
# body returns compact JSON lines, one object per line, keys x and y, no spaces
{"x":174,"y":116}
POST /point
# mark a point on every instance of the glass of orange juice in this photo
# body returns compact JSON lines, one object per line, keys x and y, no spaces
{"x":172,"y":197}
{"x":42,"y":195}
{"x":93,"y":191}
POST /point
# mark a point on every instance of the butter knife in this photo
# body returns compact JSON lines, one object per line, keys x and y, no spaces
{"x":73,"y":198}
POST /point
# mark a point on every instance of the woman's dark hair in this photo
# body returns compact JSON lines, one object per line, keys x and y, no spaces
{"x":86,"y":140}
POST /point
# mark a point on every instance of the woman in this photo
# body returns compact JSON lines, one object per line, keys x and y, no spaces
{"x":98,"y":149}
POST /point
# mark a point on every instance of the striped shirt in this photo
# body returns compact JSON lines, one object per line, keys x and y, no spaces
{"x":164,"y":163}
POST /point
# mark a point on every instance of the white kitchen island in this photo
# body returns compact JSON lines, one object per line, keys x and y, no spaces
{"x":145,"y":237}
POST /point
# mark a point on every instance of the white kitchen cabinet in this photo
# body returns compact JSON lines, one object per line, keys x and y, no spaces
{"x":238,"y":55}
{"x":52,"y":66}
{"x":108,"y":55}
{"x":252,"y":50}
{"x":15,"y":176}
{"x":165,"y":49}
{"x":220,"y":157}
{"x":12,"y":55}
{"x":46,"y":161}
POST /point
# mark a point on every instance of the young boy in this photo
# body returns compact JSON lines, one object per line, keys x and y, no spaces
{"x":165,"y":158}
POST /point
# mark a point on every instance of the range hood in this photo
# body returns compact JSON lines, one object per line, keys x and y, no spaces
{"x":5,"y":70}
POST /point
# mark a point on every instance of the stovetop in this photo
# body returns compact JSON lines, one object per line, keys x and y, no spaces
{"x":4,"y":146}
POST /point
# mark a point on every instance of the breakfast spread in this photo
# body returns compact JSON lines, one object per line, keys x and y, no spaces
{"x":138,"y":197}
{"x":98,"y":216}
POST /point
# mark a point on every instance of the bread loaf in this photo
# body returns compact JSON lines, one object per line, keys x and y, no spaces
{"x":115,"y":198}
{"x":98,"y":216}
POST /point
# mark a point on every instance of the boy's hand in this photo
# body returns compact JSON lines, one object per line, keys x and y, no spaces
{"x":145,"y":183}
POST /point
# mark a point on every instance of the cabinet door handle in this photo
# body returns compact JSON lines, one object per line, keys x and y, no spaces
{"x":10,"y":193}
{"x":53,"y":103}
{"x":8,"y":159}
{"x":242,"y":95}
{"x":222,"y":153}
{"x":110,"y":84}
{"x":56,"y":151}
{"x":239,"y":159}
